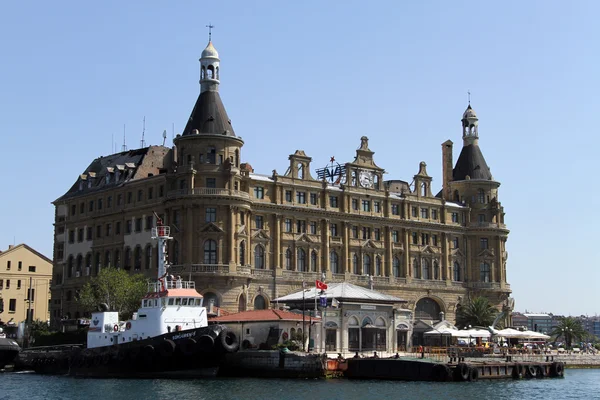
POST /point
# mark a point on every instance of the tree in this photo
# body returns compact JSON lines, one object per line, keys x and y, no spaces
{"x":569,"y":328}
{"x":119,"y":290}
{"x":477,"y":312}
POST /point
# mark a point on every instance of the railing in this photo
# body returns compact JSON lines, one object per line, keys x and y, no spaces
{"x":156,"y":287}
{"x":210,"y":268}
{"x":428,"y":282}
{"x":482,"y":225}
{"x":244,"y":269}
{"x":338,"y":277}
{"x":300,"y":275}
{"x":203,"y":191}
{"x":484,"y":285}
{"x":263,"y":273}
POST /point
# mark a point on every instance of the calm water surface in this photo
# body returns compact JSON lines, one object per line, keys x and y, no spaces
{"x":577,"y":384}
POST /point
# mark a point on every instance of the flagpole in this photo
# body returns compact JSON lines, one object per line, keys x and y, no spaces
{"x":303,"y":317}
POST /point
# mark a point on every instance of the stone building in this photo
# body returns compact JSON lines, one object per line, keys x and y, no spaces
{"x":25,"y":279}
{"x":247,"y":238}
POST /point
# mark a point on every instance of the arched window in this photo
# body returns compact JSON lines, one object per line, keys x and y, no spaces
{"x":79,"y":264}
{"x":97,"y":263}
{"x":301,"y":261}
{"x":242,"y":303}
{"x":355,"y":264}
{"x":313,"y":261}
{"x":88,"y":264}
{"x":117,"y":259}
{"x":107,"y":257}
{"x":396,"y":267}
{"x":127,"y":260}
{"x":456,"y":196}
{"x":148,"y":257}
{"x":260,"y":303}
{"x":210,"y":252}
{"x":426,"y":274}
{"x":175,"y":252}
{"x":210,"y":72}
{"x":481,"y":196}
{"x":484,"y":272}
{"x":288,"y":259}
{"x":333,"y":261}
{"x":416,"y":271}
{"x":202,"y":73}
{"x":456,"y":271}
{"x":436,"y":270}
{"x":427,"y":308}
{"x":210,"y":298}
{"x":70,"y":267}
{"x":242,"y":253}
{"x":378,"y":266}
{"x":367,"y":265}
{"x":137,"y":258}
{"x":259,"y":257}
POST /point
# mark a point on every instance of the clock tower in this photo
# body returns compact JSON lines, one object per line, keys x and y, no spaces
{"x":363,"y":172}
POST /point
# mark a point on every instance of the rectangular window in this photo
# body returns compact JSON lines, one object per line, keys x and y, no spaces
{"x":259,"y":192}
{"x":80,"y":235}
{"x":138,"y":224}
{"x":211,"y":214}
{"x":118,"y":228}
{"x":109,"y":229}
{"x":455,"y":243}
{"x":434,"y":240}
{"x":18,"y":284}
{"x":109,"y":202}
{"x":415,"y":238}
{"x":32,"y":268}
{"x":73,"y":210}
{"x":483,"y":243}
{"x":8,"y":265}
{"x":211,"y":155}
{"x":81,"y":208}
{"x":366,"y":233}
{"x":414,"y":211}
{"x":481,"y":218}
{"x":161,"y":191}
{"x":455,"y":217}
{"x":128,"y":226}
{"x":424,"y":238}
{"x":119,"y":199}
{"x":377,"y":233}
{"x":1,"y":284}
{"x":313,"y":228}
{"x":12,"y":305}
{"x":288,"y":196}
{"x":99,"y":204}
{"x":71,"y":236}
{"x":31,"y":294}
{"x":355,"y":232}
{"x":366,"y":205}
{"x":333,"y":201}
{"x":8,"y":283}
{"x":258,"y":221}
{"x":140,"y":195}
{"x":355,"y":204}
{"x":91,"y":206}
{"x":129,"y":197}
{"x":149,"y":222}
{"x":376,"y":206}
{"x":150,"y":193}
{"x":20,"y":266}
{"x":211,"y":182}
{"x":301,"y":197}
{"x":434,"y":214}
{"x":424,"y":213}
{"x":333,"y":230}
{"x":395,"y":236}
{"x":313,"y":199}
{"x":288,"y":225}
{"x":395,"y":209}
{"x":98,"y":231}
{"x":300,"y":226}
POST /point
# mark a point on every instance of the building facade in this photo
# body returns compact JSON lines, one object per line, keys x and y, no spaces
{"x":25,"y":281}
{"x":247,"y":238}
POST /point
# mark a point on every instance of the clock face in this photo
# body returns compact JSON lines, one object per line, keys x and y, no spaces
{"x":366,"y":179}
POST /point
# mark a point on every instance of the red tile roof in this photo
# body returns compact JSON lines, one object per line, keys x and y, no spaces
{"x":260,"y":315}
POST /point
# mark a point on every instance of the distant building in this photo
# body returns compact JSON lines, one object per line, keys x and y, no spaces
{"x":25,"y":280}
{"x":519,"y":320}
{"x":539,"y":322}
{"x":591,"y":325}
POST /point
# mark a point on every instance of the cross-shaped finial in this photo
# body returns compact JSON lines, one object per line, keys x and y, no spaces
{"x":210,"y":26}
{"x":469,"y":93}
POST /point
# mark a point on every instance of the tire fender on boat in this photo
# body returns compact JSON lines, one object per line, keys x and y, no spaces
{"x":166,"y":348}
{"x":462,"y":372}
{"x":206,"y":344}
{"x":229,"y":341}
{"x":188,"y":346}
{"x":473,"y":374}
{"x":531,"y":371}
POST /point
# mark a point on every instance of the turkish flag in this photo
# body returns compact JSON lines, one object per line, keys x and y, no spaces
{"x":320,"y":285}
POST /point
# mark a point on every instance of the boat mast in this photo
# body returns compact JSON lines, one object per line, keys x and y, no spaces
{"x":162,"y":234}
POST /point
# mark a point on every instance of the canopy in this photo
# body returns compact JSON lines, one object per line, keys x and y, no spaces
{"x":475,"y":333}
{"x":513,"y":333}
{"x":534,"y":335}
{"x":444,"y":330}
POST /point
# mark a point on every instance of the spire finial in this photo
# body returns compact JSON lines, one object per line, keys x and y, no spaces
{"x":210,"y":26}
{"x":469,"y":94}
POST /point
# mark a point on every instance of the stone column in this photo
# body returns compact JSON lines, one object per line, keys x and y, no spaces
{"x":468,"y":262}
{"x":325,"y":256}
{"x":231,"y":239}
{"x":446,"y":274}
{"x":346,"y":249}
{"x":407,"y":269}
{"x":388,"y":253}
{"x":276,"y":259}
{"x":189,"y":233}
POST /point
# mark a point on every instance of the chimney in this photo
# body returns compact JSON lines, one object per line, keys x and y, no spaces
{"x":10,"y":246}
{"x":447,"y":169}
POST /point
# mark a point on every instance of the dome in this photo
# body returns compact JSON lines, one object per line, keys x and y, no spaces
{"x":469,"y":113}
{"x":210,"y":51}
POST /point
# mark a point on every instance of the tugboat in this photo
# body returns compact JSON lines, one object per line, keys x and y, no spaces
{"x":8,"y":350}
{"x":169,"y":335}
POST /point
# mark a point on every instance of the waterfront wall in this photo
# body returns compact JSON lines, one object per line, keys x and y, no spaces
{"x":270,"y":364}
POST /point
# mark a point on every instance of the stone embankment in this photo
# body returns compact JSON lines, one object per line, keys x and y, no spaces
{"x":570,"y":360}
{"x":273,"y":364}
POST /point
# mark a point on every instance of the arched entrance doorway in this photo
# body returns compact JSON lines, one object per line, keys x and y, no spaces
{"x":427,"y":313}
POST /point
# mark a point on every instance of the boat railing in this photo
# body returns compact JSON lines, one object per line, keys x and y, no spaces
{"x":161,"y":286}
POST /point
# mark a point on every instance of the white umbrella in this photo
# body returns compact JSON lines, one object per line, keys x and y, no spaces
{"x":509,"y":333}
{"x":534,"y":335}
{"x":444,"y":331}
{"x":475,"y":333}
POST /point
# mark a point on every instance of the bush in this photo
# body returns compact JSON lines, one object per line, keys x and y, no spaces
{"x":291,"y":345}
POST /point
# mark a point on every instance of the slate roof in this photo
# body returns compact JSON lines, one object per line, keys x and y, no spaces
{"x":471,"y":162}
{"x":259,"y":315}
{"x":342,"y":291}
{"x":209,"y":116}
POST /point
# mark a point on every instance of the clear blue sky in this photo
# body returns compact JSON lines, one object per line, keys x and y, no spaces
{"x":317,"y":75}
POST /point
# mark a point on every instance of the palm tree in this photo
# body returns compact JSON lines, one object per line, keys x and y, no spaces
{"x":477,"y":312}
{"x":569,"y":328}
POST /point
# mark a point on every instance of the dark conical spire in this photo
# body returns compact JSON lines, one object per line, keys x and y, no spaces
{"x":470,"y":162}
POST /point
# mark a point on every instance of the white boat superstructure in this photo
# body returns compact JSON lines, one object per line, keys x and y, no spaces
{"x":170,"y":305}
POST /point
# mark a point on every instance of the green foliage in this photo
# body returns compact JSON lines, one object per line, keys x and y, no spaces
{"x":477,"y":312}
{"x":116,"y":288}
{"x":569,"y":328}
{"x":291,"y":345}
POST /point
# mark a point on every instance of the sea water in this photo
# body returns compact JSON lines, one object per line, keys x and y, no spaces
{"x":577,"y":384}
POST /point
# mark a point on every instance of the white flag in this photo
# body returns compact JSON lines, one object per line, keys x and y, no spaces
{"x":334,"y":302}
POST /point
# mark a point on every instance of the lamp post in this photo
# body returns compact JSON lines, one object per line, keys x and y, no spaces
{"x":567,"y":334}
{"x":303,"y":317}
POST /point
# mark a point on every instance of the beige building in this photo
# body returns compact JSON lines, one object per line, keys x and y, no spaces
{"x":247,"y":238}
{"x":25,"y":280}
